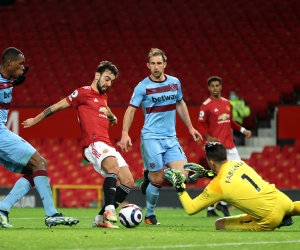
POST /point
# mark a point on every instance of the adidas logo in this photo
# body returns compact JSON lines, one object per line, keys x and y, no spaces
{"x":216,"y":110}
{"x":96,"y":100}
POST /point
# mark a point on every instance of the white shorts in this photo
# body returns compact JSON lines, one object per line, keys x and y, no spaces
{"x":233,"y":154}
{"x":98,"y":151}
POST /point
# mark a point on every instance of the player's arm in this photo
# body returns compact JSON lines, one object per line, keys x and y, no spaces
{"x":127,"y":122}
{"x":191,"y":206}
{"x":237,"y":127}
{"x":113,"y":120}
{"x":183,"y":112}
{"x":63,"y":104}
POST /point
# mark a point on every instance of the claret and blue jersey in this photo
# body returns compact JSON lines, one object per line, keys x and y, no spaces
{"x":5,"y":98}
{"x":158,"y":101}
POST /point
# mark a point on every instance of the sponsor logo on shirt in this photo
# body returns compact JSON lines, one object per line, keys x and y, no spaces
{"x":223,"y":118}
{"x":95,"y":100}
{"x":216,"y":110}
{"x":163,"y":98}
{"x":7,"y":95}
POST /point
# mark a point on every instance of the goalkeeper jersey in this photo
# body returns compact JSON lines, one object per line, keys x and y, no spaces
{"x":239,"y":185}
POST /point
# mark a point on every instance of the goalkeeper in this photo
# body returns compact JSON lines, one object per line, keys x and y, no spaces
{"x":265,"y":207}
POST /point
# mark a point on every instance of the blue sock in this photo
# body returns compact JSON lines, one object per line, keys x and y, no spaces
{"x":42,"y":185}
{"x":152,"y":194}
{"x":21,"y":187}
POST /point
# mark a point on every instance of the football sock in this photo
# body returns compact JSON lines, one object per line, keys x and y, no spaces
{"x":152,"y":194}
{"x":296,"y":210}
{"x":42,"y":184}
{"x":21,"y":187}
{"x":121,"y":193}
{"x":223,"y":203}
{"x":109,"y":188}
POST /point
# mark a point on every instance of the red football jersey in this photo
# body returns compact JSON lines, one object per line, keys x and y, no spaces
{"x":217,"y":115}
{"x":92,"y":114}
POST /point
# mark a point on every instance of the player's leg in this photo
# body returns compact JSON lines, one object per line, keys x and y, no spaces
{"x":239,"y":222}
{"x":103,"y":158}
{"x":152,"y":158}
{"x":122,"y":190}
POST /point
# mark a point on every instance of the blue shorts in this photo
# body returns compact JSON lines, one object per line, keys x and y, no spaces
{"x":15,"y":152}
{"x":157,"y":153}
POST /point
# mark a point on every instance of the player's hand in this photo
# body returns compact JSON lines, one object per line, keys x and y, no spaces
{"x":196,"y":135}
{"x":125,"y":142}
{"x":21,"y":78}
{"x":28,"y":123}
{"x":113,"y":120}
{"x":200,"y":172}
{"x":247,"y":134}
{"x":177,"y":180}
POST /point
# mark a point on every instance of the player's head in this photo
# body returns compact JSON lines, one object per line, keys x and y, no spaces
{"x":157,"y":61}
{"x":105,"y":75}
{"x":216,"y":154}
{"x":12,"y":63}
{"x":233,"y":95}
{"x":215,"y":86}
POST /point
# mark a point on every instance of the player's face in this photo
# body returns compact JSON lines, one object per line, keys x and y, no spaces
{"x":156,"y":65}
{"x":215,"y":89}
{"x":16,"y":67}
{"x":105,"y":81}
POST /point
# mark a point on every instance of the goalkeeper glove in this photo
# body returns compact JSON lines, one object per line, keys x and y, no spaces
{"x":21,"y":78}
{"x":177,"y":180}
{"x":200,"y":172}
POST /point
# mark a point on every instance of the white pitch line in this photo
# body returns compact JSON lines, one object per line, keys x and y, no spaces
{"x":204,"y":245}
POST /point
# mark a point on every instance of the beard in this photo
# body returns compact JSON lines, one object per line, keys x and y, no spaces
{"x":102,"y":90}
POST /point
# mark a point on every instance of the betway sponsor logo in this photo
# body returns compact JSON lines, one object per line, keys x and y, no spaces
{"x":163,"y":98}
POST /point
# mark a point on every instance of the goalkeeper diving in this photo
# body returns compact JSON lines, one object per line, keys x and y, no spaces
{"x":265,"y":207}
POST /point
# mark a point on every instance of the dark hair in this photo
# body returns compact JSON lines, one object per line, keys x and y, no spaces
{"x":215,"y":151}
{"x":214,"y":79}
{"x":10,"y":53}
{"x":157,"y":52}
{"x":104,"y":65}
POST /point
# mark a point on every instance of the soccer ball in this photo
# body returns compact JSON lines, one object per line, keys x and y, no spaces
{"x":130,"y":216}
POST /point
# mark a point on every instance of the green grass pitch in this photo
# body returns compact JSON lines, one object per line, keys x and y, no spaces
{"x":178,"y":231}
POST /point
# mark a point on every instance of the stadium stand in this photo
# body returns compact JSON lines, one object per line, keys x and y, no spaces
{"x":252,"y":45}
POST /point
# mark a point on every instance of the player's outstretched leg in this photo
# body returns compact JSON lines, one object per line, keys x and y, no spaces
{"x":109,"y":190}
{"x":145,"y":182}
{"x":60,"y":219}
{"x":223,"y":207}
{"x":4,"y":221}
{"x":121,"y":193}
{"x":152,"y":195}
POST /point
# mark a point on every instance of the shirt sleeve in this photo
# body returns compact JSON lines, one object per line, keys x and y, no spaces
{"x":202,"y":125}
{"x":179,"y":93}
{"x":76,"y":98}
{"x":137,"y":96}
{"x":202,"y":201}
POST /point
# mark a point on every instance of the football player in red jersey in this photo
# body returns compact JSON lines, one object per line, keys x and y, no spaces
{"x":94,"y":117}
{"x":216,"y":122}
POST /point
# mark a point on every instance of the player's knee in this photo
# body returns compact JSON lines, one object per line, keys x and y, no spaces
{"x":220,"y":224}
{"x":157,"y":179}
{"x":128,"y":181}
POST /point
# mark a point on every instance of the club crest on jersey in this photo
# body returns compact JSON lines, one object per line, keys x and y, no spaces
{"x":228,"y":108}
{"x":173,"y":86}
